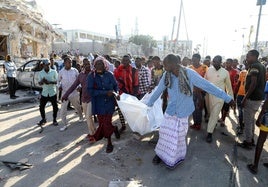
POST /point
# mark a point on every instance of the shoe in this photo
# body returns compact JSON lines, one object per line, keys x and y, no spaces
{"x":16,"y":96}
{"x":81,"y":119}
{"x":209,"y":138}
{"x":63,"y":128}
{"x":239,"y":130}
{"x":116,"y":132}
{"x":109,"y":148}
{"x":156,"y":160}
{"x":42,"y":122}
{"x":95,"y":119}
{"x":252,"y":169}
{"x":91,"y":139}
{"x":245,"y":145}
{"x":222,"y":124}
{"x":265,"y":165}
{"x":253,"y":143}
{"x":70,"y":108}
{"x":13,"y":97}
{"x":123,"y":128}
{"x":55,"y":123}
{"x":195,"y":126}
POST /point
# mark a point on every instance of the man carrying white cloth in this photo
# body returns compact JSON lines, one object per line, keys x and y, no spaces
{"x":171,"y":146}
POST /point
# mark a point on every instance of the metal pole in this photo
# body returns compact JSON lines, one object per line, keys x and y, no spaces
{"x":179,"y":22}
{"x":258,"y":25}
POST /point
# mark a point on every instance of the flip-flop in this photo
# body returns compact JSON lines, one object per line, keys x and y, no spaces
{"x":91,"y":139}
{"x":252,"y":169}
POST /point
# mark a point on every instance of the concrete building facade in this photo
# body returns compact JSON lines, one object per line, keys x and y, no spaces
{"x":24,"y":33}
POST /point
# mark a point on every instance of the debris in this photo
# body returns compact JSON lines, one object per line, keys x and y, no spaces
{"x":17,"y":165}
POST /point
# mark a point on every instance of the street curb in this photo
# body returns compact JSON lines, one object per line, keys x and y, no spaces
{"x":15,"y":101}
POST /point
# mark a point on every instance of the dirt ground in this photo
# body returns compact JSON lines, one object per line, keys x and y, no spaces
{"x":67,"y":159}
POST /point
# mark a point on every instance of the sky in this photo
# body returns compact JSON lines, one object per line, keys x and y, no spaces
{"x":217,"y":25}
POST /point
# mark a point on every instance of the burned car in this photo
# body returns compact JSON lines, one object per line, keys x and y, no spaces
{"x":27,"y":74}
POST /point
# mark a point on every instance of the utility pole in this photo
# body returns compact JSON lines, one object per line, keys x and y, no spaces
{"x":172,"y":33}
{"x":179,"y":22}
{"x":259,"y":3}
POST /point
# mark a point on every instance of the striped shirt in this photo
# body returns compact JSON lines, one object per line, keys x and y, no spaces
{"x":144,"y":83}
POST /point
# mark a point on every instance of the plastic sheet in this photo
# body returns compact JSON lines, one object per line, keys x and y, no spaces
{"x":140,"y":117}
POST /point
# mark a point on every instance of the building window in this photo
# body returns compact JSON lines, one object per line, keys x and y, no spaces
{"x":83,"y":35}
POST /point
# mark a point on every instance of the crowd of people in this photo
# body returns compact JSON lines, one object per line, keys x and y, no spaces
{"x":188,"y":87}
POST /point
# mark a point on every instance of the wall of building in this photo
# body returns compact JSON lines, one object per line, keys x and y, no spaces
{"x":28,"y":34}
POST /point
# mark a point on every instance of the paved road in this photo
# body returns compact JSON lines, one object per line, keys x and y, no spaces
{"x":67,"y":159}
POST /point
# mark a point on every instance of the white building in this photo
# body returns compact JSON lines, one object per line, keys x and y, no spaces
{"x":86,"y":36}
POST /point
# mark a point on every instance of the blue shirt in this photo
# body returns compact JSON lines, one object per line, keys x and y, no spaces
{"x":98,"y":86}
{"x":180,"y":104}
{"x":48,"y":89}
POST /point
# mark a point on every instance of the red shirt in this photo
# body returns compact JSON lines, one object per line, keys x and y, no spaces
{"x":127,"y":79}
{"x":234,"y":74}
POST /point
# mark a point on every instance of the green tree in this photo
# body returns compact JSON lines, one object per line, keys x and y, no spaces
{"x":145,"y":41}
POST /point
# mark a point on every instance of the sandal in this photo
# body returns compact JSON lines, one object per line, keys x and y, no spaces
{"x":156,"y":160}
{"x":245,"y":145}
{"x":109,"y":148}
{"x":91,"y":139}
{"x":252,"y":169}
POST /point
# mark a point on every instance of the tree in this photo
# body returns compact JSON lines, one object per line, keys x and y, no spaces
{"x":145,"y":41}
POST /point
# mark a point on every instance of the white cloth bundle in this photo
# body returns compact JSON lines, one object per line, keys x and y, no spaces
{"x":140,"y":117}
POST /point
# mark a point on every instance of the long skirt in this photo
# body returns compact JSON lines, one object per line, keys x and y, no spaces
{"x":105,"y":128}
{"x":171,"y":146}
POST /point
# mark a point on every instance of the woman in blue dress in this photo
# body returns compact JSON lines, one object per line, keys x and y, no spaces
{"x":102,"y":86}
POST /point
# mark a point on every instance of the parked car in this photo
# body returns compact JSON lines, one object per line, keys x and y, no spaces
{"x":27,"y":74}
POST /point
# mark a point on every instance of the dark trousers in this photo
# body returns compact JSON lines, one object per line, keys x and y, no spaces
{"x":43,"y":102}
{"x":198,"y":103}
{"x":239,"y":99}
{"x":11,"y":85}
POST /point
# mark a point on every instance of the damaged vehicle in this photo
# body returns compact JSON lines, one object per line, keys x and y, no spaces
{"x":27,"y":74}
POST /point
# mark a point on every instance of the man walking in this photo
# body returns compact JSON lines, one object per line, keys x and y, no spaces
{"x":179,"y":81}
{"x":67,"y":76}
{"x":198,"y":94}
{"x":86,"y":98}
{"x":220,"y":78}
{"x":128,"y":82}
{"x":255,"y":83}
{"x":144,"y":84}
{"x":48,"y":80}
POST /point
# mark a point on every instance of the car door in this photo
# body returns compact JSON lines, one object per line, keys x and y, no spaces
{"x":36,"y":70}
{"x":27,"y":72}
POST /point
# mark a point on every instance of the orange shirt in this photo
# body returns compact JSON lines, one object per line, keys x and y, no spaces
{"x":242,"y":80}
{"x":201,"y":70}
